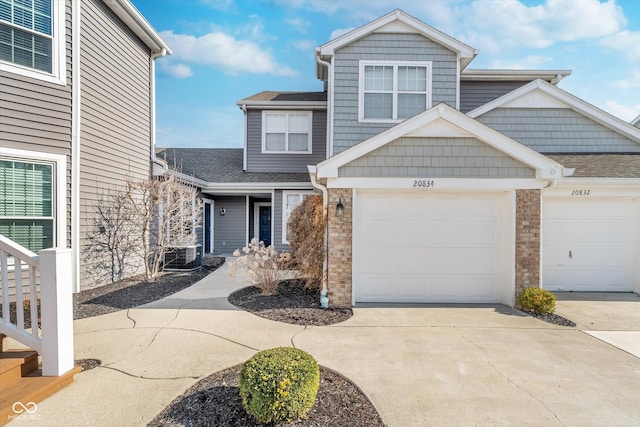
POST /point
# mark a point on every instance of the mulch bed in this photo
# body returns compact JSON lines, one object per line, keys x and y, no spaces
{"x":215,"y":401}
{"x":292,"y":303}
{"x":134,"y":291}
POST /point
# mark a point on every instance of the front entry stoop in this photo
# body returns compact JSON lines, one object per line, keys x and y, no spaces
{"x":22,"y":385}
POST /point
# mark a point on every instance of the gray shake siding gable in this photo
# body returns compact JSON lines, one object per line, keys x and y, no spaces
{"x":384,"y":47}
{"x":272,"y":162}
{"x":36,"y":116}
{"x":557,"y":130}
{"x":437,"y":157}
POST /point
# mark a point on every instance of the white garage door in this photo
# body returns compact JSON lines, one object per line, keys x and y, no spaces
{"x":428,"y":247}
{"x":588,"y":244}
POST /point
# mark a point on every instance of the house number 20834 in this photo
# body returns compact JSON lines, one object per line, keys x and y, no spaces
{"x":580,"y":192}
{"x":423,"y":183}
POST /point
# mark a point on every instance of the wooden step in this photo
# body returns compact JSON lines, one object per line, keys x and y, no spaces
{"x":15,"y":364}
{"x":31,"y":388}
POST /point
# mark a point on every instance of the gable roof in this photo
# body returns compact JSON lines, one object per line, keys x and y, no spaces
{"x":212,"y":166}
{"x":539,"y":92}
{"x":276,"y":99}
{"x":397,"y":21}
{"x":128,"y":13}
{"x":444,"y":120}
{"x":601,"y":165}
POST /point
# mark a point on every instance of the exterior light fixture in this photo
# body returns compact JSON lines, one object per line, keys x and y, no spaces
{"x":222,"y":212}
{"x":102,"y":230}
{"x":339,"y":209}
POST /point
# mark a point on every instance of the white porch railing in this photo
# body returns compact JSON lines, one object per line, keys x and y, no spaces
{"x":51,"y":270}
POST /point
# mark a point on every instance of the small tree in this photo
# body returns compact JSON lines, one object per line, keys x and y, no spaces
{"x":111,"y":239}
{"x":306,"y":238}
{"x":167,"y":212}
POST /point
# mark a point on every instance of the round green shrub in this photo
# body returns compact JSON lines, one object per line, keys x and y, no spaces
{"x":537,"y":300}
{"x":279,"y":384}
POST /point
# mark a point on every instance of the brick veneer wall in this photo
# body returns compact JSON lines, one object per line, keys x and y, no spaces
{"x":339,"y":275}
{"x":527,"y":239}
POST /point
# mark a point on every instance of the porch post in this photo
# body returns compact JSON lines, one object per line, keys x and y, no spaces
{"x":57,"y":311}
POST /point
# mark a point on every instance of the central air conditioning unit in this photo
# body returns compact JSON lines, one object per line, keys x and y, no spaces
{"x":183,"y":258}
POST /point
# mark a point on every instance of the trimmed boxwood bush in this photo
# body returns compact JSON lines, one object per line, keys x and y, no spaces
{"x":279,"y":384}
{"x":537,"y":300}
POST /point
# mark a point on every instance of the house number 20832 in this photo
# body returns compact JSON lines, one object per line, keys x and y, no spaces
{"x":423,"y":183}
{"x":580,"y":192}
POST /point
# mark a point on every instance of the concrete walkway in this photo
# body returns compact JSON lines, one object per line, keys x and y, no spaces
{"x":424,"y":365}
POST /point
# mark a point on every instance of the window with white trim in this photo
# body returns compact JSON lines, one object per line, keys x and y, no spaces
{"x":32,"y":38}
{"x":290,"y":201}
{"x":286,"y":131}
{"x":393,"y":91}
{"x":27,"y":203}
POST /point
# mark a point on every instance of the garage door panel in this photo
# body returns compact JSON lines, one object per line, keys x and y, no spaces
{"x":588,"y":245}
{"x":432,"y":247}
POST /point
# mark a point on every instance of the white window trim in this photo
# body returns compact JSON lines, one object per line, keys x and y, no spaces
{"x":309,"y":115}
{"x":395,"y":64}
{"x":58,"y":51}
{"x":284,"y":212}
{"x":60,"y":186}
{"x":212,"y":210}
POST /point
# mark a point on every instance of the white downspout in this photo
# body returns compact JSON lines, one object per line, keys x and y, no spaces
{"x":329,"y":106}
{"x":75,"y":147}
{"x":243,"y":107}
{"x":152,"y":113}
{"x":324,"y":299}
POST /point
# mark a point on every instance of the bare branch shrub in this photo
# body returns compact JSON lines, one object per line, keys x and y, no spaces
{"x":265,"y":267}
{"x":306,"y":238}
{"x":111,"y":239}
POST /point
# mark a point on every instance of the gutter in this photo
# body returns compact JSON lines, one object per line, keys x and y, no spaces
{"x":75,"y":146}
{"x":324,"y":299}
{"x":156,"y":163}
{"x":243,"y":107}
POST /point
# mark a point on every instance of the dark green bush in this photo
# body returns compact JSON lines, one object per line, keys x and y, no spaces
{"x":279,"y":384}
{"x":537,"y":300}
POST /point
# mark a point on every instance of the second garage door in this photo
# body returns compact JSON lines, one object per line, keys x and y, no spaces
{"x":428,"y":247}
{"x":588,"y":244}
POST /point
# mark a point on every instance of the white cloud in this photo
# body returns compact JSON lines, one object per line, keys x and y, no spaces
{"x":220,"y":50}
{"x":339,"y":32}
{"x":631,"y":82}
{"x":528,"y":62}
{"x":179,"y":71}
{"x":624,"y":112}
{"x":305,"y":45}
{"x":625,"y":42}
{"x":299,"y":24}
{"x":218,"y":4}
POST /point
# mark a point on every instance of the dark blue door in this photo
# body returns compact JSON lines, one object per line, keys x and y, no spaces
{"x":264,"y":234}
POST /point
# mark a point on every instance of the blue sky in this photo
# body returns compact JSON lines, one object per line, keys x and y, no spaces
{"x":226,"y":50}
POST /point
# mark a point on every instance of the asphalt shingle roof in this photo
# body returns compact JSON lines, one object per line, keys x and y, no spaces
{"x":221,"y":165}
{"x":286,"y":96}
{"x":601,"y":165}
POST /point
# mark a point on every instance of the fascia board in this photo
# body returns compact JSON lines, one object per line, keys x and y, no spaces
{"x":283,"y":104}
{"x":127,"y":12}
{"x":512,"y":75}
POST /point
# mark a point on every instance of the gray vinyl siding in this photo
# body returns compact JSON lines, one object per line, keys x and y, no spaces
{"x":115,"y":112}
{"x":271,"y":162}
{"x":436,"y":158}
{"x":36,"y":116}
{"x":229,"y":231}
{"x":474,"y":94}
{"x":557,"y":130}
{"x":276,"y":218}
{"x":384,"y":47}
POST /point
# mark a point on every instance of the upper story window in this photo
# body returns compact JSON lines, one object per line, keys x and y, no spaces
{"x":32,"y":38}
{"x":286,"y":132}
{"x":393,"y":91}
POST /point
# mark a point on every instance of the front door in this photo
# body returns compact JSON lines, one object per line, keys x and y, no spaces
{"x":207,"y":228}
{"x":264,"y":221}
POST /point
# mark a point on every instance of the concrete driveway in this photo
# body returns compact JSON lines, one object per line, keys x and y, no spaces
{"x":423,"y":365}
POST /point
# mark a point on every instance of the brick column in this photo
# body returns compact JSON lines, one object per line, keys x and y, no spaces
{"x":527,"y":240}
{"x":339,"y":278}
